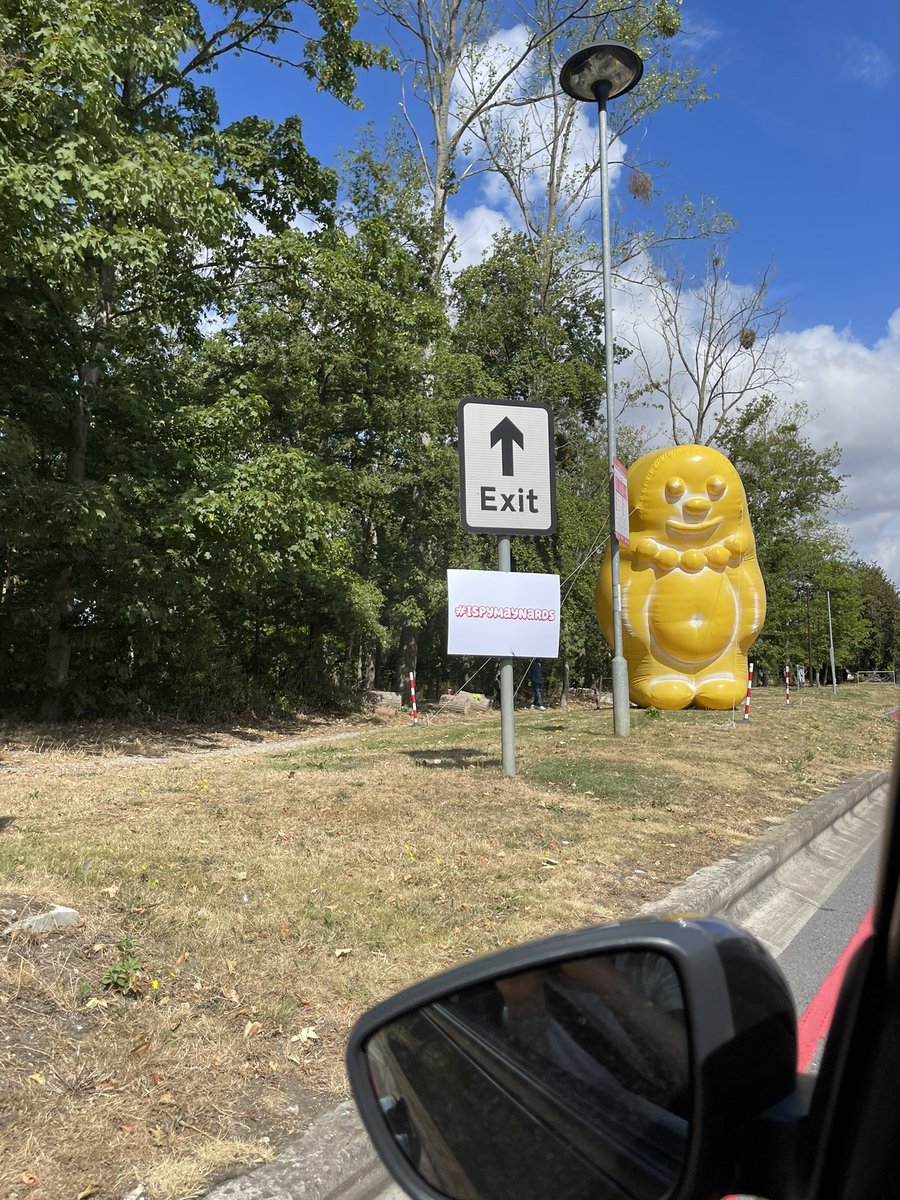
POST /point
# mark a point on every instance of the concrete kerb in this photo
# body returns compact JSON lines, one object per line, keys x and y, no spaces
{"x":332,"y":1160}
{"x":712,"y":890}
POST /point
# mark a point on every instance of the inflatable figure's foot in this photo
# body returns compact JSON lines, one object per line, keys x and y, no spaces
{"x":720,"y":693}
{"x":664,"y":694}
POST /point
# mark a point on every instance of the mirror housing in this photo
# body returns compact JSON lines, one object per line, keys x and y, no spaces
{"x":741,"y":1033}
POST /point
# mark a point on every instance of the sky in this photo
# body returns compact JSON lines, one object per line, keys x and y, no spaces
{"x":800,"y":146}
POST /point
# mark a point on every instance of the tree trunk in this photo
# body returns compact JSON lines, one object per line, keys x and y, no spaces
{"x":62,"y":607}
{"x":316,"y":672}
{"x":365,"y":668}
{"x":256,"y":653}
{"x":7,"y":588}
{"x":408,"y":656}
{"x":59,"y":648}
{"x":59,"y":640}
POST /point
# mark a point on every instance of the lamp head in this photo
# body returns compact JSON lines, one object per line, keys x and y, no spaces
{"x":612,"y":65}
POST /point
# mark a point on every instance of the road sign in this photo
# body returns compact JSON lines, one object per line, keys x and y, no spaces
{"x":507,"y":467}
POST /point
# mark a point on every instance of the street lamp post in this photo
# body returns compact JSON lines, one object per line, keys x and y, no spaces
{"x":831,"y":646}
{"x":598,"y":74}
{"x":803,"y":590}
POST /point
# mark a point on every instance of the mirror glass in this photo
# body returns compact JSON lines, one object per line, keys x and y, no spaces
{"x":571,"y":1082}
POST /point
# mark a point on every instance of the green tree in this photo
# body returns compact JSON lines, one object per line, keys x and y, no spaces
{"x":537,"y":342}
{"x":793,"y":491}
{"x":123,"y":206}
{"x":341,"y":337}
{"x":881,"y":600}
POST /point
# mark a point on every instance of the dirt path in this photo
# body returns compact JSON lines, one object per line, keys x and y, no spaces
{"x":157,"y":760}
{"x":30,"y":751}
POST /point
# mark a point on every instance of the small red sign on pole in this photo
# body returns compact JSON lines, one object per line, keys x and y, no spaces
{"x":620,"y":484}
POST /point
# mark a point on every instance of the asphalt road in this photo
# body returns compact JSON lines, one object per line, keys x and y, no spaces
{"x":810,"y":956}
{"x":810,"y":909}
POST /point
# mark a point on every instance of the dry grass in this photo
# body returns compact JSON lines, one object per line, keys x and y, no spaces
{"x":274,"y":896}
{"x":26,"y":745}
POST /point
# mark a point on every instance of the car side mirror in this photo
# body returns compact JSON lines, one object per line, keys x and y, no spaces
{"x":631,"y":1061}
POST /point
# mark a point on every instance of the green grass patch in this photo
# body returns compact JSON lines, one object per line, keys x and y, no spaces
{"x":613,"y":783}
{"x":317,"y":758}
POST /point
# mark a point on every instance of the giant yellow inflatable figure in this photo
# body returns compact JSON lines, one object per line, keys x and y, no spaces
{"x":693,"y":599}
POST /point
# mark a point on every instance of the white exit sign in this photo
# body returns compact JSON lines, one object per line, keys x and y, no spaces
{"x":507,"y":467}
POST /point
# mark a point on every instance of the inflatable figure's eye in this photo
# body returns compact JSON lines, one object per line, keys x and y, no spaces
{"x":675,"y":488}
{"x":715,"y":485}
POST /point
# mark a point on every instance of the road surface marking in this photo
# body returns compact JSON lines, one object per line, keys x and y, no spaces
{"x":813,"y":1025}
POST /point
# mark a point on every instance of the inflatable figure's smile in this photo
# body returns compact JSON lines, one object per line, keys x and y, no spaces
{"x":684,"y":527}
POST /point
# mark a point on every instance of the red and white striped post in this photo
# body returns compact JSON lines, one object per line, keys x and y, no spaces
{"x":787,"y":685}
{"x":749,"y":690}
{"x":412,"y":693}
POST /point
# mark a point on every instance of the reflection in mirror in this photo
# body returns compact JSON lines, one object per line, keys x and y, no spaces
{"x":569,"y":1082}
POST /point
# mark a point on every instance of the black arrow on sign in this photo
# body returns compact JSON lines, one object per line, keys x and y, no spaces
{"x":506,"y":433}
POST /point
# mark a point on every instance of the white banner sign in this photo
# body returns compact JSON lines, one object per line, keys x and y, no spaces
{"x":507,"y":614}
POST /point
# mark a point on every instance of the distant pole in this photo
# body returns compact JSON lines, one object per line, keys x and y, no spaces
{"x":831,"y":646}
{"x":787,"y":685}
{"x":507,"y":694}
{"x":412,"y":693}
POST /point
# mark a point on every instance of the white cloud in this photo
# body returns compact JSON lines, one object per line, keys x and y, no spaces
{"x":853,"y":390}
{"x":474,"y":231}
{"x":865,"y":62}
{"x":853,"y":393}
{"x":697,"y":34}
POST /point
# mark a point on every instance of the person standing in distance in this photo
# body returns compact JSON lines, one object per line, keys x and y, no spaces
{"x":536,"y":679}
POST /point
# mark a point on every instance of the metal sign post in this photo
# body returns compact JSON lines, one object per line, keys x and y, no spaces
{"x":507,"y":487}
{"x":507,"y":692}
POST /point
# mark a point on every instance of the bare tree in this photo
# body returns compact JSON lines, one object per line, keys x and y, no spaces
{"x":486,"y":76}
{"x":710,"y":348}
{"x":544,"y":149}
{"x":450,"y":40}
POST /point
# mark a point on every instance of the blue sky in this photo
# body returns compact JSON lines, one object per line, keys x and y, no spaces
{"x":801,"y":148}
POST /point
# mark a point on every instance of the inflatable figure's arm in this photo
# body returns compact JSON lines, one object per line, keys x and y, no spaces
{"x":634,"y":632}
{"x":751,"y":594}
